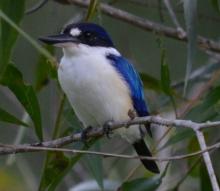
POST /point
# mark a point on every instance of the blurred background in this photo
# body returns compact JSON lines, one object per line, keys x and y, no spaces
{"x":143,"y":48}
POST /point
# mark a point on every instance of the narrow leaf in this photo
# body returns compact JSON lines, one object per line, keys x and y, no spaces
{"x":51,"y":166}
{"x":141,"y":184}
{"x":14,"y":10}
{"x":56,"y":164}
{"x":50,"y":184}
{"x":7,"y":117}
{"x":165,"y":74}
{"x":91,"y":9}
{"x":190,"y":13}
{"x":56,"y":180}
{"x":204,"y":179}
{"x":25,"y":94}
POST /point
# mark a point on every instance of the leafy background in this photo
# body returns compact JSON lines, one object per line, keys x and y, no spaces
{"x":33,"y":107}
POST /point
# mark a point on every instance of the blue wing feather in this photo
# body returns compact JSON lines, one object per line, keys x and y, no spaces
{"x":134,"y":82}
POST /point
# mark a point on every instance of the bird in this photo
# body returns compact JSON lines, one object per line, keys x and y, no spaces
{"x":101,"y":85}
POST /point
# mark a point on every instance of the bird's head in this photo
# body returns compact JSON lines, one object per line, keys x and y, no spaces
{"x":79,"y":37}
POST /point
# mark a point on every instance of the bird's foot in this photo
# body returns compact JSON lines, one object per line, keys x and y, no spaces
{"x":84,"y":134}
{"x":131,"y":114}
{"x":107,"y":129}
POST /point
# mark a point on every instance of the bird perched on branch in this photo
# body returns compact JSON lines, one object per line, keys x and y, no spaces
{"x":100,"y":84}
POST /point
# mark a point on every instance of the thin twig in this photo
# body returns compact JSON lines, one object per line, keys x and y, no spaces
{"x":28,"y":148}
{"x":36,"y":7}
{"x":148,"y":25}
{"x":172,"y":14}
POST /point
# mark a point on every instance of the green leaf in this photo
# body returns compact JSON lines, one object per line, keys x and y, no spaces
{"x":91,"y":9}
{"x":69,"y":119}
{"x":150,"y":82}
{"x":56,"y":164}
{"x":215,"y":5}
{"x":55,"y":180}
{"x":165,"y":74}
{"x":190,"y":14}
{"x":44,"y":70}
{"x":7,"y":117}
{"x":94,"y":164}
{"x":141,"y":184}
{"x":25,"y":94}
{"x":51,"y":183}
{"x":204,"y":179}
{"x":14,"y":10}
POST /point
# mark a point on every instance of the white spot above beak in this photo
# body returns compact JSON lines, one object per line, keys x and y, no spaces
{"x":75,"y":32}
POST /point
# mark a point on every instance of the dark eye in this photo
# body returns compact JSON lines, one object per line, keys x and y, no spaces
{"x":88,"y":35}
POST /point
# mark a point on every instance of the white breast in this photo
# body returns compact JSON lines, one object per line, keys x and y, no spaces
{"x":95,"y":90}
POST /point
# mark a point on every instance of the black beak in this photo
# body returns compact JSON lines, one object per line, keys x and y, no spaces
{"x":58,"y":39}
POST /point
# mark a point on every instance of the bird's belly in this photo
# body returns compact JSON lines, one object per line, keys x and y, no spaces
{"x":96,"y":94}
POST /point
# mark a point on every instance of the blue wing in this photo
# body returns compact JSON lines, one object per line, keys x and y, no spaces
{"x":132,"y":78}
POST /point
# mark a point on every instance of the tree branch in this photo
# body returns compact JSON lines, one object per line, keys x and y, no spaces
{"x":148,"y":25}
{"x":98,"y":132}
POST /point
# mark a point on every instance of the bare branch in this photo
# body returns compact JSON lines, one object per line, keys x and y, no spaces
{"x":145,"y":24}
{"x":152,"y":4}
{"x":98,"y":132}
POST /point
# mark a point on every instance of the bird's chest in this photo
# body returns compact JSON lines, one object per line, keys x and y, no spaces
{"x":95,"y":90}
{"x":78,"y":74}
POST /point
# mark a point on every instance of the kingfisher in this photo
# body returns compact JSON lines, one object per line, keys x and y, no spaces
{"x":101,"y":85}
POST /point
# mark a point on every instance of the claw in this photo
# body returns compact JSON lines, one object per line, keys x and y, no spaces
{"x":84,"y":134}
{"x":132,"y":114}
{"x":107,"y":129}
